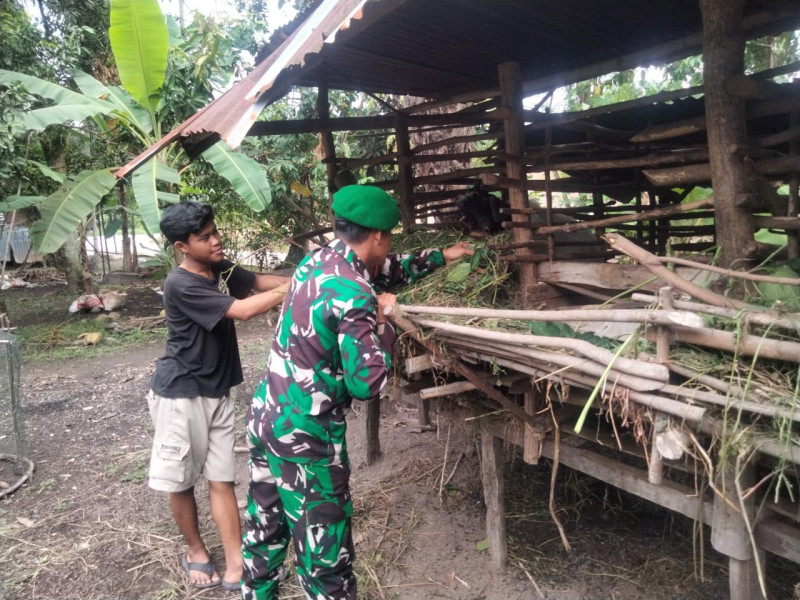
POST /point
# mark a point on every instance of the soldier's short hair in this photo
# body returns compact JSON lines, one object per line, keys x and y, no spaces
{"x":349,"y":232}
{"x":179,"y":221}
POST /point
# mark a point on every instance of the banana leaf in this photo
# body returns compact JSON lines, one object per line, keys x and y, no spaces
{"x":63,"y":210}
{"x":138,"y":35}
{"x":126,"y":107}
{"x":247,"y":177}
{"x":19,"y":202}
{"x":145,"y":188}
{"x":69,"y":106}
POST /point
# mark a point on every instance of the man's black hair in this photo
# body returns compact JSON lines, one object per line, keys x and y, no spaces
{"x":349,"y":232}
{"x":180,"y":220}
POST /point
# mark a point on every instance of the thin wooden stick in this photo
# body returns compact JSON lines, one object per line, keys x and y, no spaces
{"x":567,"y":361}
{"x":601,"y":355}
{"x":456,"y":365}
{"x":553,"y":473}
{"x":615,"y":315}
{"x":651,"y":262}
{"x":678,"y":408}
{"x":728,"y":272}
{"x":766,"y":319}
{"x":444,"y":461}
{"x":646,"y":215}
{"x":453,"y":472}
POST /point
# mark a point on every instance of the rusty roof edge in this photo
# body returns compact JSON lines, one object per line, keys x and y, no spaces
{"x":320,"y":28}
{"x":248,"y":95}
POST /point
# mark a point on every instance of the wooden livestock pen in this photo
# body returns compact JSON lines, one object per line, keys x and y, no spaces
{"x":710,"y":433}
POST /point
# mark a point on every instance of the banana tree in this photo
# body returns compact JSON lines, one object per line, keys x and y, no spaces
{"x":140,"y":42}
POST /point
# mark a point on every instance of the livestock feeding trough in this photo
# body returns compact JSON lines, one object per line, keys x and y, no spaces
{"x":686,"y":398}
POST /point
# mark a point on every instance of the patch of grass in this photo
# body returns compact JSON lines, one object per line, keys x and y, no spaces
{"x":133,"y":466}
{"x":47,"y":330}
{"x":47,"y":485}
{"x":171,"y":591}
{"x":53,"y":342}
{"x":137,"y":474}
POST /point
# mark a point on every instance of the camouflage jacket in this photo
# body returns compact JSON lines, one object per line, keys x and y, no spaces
{"x":327,"y":351}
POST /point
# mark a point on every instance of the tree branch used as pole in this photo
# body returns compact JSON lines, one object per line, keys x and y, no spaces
{"x":653,"y":264}
{"x":456,"y":365}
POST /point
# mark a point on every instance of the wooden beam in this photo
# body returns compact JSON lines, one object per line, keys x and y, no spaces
{"x":511,"y":96}
{"x":670,"y":495}
{"x":373,"y":426}
{"x":326,"y":137}
{"x":405,"y":172}
{"x":689,"y":174}
{"x":650,"y":160}
{"x":494,"y":497}
{"x":779,"y":538}
{"x":645,"y":215}
{"x":557,"y":185}
{"x":600,"y":275}
{"x":787,"y":102}
{"x":261,"y":128}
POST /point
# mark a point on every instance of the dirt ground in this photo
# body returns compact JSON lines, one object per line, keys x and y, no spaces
{"x":88,"y":527}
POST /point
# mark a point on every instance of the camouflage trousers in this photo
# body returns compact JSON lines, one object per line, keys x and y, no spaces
{"x":310,"y":503}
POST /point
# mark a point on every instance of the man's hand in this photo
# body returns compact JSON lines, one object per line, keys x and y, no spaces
{"x":456,"y":251}
{"x":386,"y":304}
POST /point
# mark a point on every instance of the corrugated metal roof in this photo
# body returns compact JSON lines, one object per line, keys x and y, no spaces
{"x":232,"y":114}
{"x":445,"y":48}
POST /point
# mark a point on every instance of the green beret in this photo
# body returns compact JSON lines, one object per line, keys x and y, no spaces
{"x":366,"y":205}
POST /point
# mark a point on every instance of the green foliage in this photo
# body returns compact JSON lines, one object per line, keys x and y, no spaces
{"x":64,"y":210}
{"x":759,"y":55}
{"x":786,"y":296}
{"x":563,"y":330}
{"x":245,"y":174}
{"x":145,"y":186}
{"x":69,"y":106}
{"x":138,"y":36}
{"x":119,"y":122}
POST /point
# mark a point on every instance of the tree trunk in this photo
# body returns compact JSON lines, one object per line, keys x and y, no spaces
{"x":134,"y":266}
{"x":86,"y":272}
{"x":733,"y":176}
{"x":68,"y":261}
{"x":126,"y":239}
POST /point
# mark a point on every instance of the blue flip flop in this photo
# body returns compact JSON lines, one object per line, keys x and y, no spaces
{"x":206,"y":567}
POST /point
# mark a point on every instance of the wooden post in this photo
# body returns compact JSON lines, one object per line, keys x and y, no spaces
{"x":326,"y":137}
{"x":655,"y":470}
{"x":662,"y":332}
{"x":373,"y":424}
{"x":733,"y":176}
{"x":793,"y":237}
{"x":729,"y":533}
{"x":511,"y":97}
{"x":423,"y":412}
{"x":494,"y":496}
{"x":532,"y":439}
{"x":405,"y":172}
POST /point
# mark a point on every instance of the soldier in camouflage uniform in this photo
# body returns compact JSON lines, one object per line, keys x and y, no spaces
{"x":331,"y":345}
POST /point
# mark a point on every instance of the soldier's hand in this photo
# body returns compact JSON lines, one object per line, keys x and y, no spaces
{"x":386,"y":304}
{"x":456,"y":251}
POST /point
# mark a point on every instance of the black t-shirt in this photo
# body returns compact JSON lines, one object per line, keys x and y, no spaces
{"x":202,"y":354}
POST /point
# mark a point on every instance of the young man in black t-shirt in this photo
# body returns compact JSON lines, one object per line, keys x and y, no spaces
{"x":189,"y":396}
